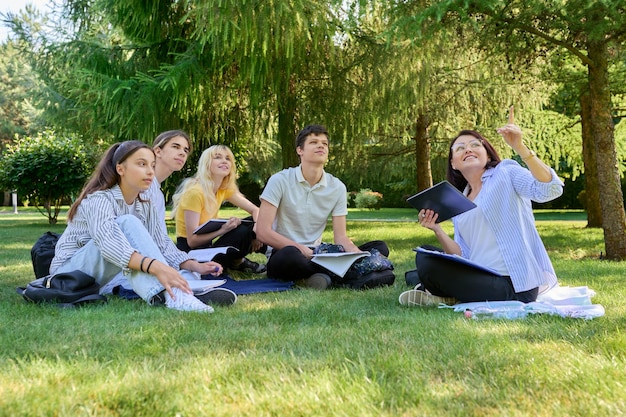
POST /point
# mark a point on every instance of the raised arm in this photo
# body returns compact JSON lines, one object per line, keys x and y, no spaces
{"x":512,"y":135}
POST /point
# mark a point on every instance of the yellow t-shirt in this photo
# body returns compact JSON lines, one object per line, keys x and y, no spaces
{"x":193,"y":200}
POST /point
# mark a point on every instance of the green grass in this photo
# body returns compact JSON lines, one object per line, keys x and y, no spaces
{"x":306,"y":353}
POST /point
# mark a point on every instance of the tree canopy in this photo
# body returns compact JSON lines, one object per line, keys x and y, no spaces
{"x":526,"y":33}
{"x":393,"y":81}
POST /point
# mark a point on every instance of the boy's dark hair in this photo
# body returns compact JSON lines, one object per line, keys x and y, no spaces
{"x":161,"y":140}
{"x":308,"y":130}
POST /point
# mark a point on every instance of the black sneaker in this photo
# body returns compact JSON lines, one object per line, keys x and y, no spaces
{"x":249,"y":266}
{"x":217,"y":296}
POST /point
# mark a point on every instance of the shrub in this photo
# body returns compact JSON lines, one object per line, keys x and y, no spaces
{"x":367,"y":198}
{"x":46,"y":169}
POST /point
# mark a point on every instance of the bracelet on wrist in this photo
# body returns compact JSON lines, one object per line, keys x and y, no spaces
{"x":149,"y":265}
{"x":530,"y":155}
{"x":141,"y":263}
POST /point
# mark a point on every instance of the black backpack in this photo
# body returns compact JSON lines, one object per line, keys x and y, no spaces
{"x":42,"y":253}
{"x":67,"y":289}
{"x":369,"y":272}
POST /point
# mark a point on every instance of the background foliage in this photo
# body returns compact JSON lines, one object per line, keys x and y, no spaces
{"x":393,"y":82}
{"x":47,"y":170}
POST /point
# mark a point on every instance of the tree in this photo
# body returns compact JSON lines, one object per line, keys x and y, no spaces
{"x":18,"y":85}
{"x":230,"y":72}
{"x":408,"y":98}
{"x":592,"y":32}
{"x":47,"y":170}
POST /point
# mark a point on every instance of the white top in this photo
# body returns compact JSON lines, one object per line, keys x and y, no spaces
{"x":483,"y":247}
{"x":96,"y":219}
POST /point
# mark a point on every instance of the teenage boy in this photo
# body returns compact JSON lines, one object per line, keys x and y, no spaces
{"x":172,"y":148}
{"x":295,"y":206}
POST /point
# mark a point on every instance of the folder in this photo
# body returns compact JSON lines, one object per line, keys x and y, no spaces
{"x":457,"y":258}
{"x":213,"y":225}
{"x":442,"y":198}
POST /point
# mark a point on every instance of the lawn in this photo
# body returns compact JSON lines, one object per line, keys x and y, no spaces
{"x":307,"y":353}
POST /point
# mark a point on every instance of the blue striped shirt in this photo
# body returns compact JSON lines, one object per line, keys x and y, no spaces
{"x":506,"y":196}
{"x":95,"y":219}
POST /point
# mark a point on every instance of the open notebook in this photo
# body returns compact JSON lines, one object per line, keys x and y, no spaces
{"x":207,"y":254}
{"x":338,"y":263}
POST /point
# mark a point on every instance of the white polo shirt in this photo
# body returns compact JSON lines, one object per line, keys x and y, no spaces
{"x":303,"y":210}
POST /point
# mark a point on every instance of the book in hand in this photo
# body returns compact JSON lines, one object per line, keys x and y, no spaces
{"x":442,"y":198}
{"x":207,"y":254}
{"x":214,"y":224}
{"x":459,"y":259}
{"x":338,"y":263}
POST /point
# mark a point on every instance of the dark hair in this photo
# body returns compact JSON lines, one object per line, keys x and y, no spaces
{"x":454,"y":176}
{"x":161,"y":140}
{"x":309,"y":130}
{"x":105,"y":176}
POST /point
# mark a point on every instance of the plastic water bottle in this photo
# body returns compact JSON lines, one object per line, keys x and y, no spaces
{"x":487,"y":313}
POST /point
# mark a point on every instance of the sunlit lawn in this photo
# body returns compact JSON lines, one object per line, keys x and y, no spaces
{"x":306,"y":353}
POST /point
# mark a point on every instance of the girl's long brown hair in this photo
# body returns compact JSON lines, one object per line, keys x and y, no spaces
{"x":105,"y":176}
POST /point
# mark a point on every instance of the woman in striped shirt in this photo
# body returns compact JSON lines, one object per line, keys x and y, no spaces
{"x":111,"y":228}
{"x":499,"y":234}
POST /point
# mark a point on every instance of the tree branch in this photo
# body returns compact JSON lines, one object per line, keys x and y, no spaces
{"x":551,"y":39}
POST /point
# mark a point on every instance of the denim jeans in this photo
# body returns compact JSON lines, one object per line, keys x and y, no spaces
{"x":89,"y":260}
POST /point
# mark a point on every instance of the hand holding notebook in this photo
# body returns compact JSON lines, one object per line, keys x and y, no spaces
{"x":214,"y":224}
{"x":443,"y":199}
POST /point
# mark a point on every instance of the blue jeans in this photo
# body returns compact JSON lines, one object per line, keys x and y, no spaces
{"x":89,"y":260}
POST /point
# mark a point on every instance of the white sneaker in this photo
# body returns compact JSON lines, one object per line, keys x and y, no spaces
{"x":185,"y":302}
{"x":423,"y":298}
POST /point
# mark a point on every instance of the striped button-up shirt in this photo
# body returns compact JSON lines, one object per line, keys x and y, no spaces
{"x":506,"y":196}
{"x":95,"y":220}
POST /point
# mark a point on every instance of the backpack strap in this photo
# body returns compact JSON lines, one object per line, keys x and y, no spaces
{"x":88,"y":299}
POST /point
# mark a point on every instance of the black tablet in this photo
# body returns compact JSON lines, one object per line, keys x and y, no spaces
{"x":444,"y":199}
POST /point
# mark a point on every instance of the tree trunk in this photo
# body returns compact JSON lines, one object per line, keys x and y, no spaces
{"x":612,"y":200}
{"x":287,"y":103}
{"x":592,"y":192}
{"x":424,"y":177}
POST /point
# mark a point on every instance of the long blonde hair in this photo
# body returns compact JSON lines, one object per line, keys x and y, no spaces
{"x":204,"y":179}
